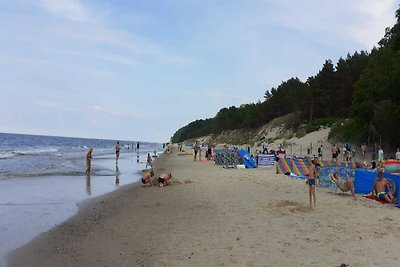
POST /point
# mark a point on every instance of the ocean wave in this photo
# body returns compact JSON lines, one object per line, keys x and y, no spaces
{"x":34,"y":151}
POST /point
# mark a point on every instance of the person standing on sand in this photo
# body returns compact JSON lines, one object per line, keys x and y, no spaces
{"x":117,"y":151}
{"x":380,"y":154}
{"x":196,"y":149}
{"x":311,"y":180}
{"x":334,"y":152}
{"x":149,"y":160}
{"x":89,"y":158}
{"x":363,"y":151}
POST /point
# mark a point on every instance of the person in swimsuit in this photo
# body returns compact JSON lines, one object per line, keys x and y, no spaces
{"x":311,"y":180}
{"x":89,"y":158}
{"x":381,"y":188}
{"x":117,"y":150}
{"x":344,"y":186}
{"x":164,"y":179}
{"x":146,"y":179}
{"x":149,"y":160}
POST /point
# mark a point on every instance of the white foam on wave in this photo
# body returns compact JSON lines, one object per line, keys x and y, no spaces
{"x":34,"y":151}
{"x":6,"y":155}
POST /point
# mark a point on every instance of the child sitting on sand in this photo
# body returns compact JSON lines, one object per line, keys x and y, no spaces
{"x":164,"y":179}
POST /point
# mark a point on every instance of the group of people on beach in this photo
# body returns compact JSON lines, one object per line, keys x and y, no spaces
{"x":163,"y":179}
{"x":380,"y":188}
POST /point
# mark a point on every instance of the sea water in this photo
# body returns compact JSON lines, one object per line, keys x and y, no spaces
{"x":42,"y":179}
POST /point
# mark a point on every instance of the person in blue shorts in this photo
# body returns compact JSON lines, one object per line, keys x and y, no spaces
{"x":311,"y":180}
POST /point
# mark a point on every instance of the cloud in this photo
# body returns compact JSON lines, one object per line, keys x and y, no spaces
{"x":68,"y":9}
{"x":339,"y":21}
{"x":378,"y":15}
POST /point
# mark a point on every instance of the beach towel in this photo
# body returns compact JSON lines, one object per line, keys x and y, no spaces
{"x":376,"y":199}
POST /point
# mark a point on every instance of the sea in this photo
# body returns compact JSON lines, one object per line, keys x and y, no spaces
{"x":43,"y":180}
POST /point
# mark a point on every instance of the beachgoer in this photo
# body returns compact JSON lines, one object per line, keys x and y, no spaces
{"x":117,"y":150}
{"x":164,"y":179}
{"x":149,"y":160}
{"x":398,"y":154}
{"x":89,"y":158}
{"x":196,"y":148}
{"x":344,"y":186}
{"x":209,"y":152}
{"x":146,"y":179}
{"x":380,"y":154}
{"x":320,"y":152}
{"x":363,"y":151}
{"x":311,"y":180}
{"x":334,"y":152}
{"x":381,"y":188}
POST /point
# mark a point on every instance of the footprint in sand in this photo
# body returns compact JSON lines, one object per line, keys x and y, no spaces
{"x":285,"y":207}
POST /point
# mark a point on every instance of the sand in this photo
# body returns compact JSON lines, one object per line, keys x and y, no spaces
{"x":210,"y":216}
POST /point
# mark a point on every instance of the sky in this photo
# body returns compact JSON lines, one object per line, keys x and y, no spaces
{"x":141,"y":69}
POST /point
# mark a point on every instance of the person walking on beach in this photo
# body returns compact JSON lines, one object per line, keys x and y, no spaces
{"x":196,"y":149}
{"x":89,"y":158}
{"x":149,"y":160}
{"x":311,"y":180}
{"x":117,"y":150}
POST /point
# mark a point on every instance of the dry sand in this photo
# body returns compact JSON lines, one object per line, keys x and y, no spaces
{"x":210,"y":216}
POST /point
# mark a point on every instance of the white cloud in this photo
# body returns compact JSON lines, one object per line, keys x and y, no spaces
{"x":378,"y":15}
{"x":68,"y":9}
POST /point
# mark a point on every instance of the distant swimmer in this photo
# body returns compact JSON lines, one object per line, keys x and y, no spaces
{"x":117,"y":151}
{"x":89,"y":158}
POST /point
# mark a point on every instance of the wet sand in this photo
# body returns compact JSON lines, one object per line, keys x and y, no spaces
{"x":210,"y":216}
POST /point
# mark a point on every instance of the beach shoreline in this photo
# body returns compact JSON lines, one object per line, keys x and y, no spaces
{"x":210,"y":216}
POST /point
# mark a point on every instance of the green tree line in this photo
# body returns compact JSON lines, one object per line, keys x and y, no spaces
{"x":362,"y":90}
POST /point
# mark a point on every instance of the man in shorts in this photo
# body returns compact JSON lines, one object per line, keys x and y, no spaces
{"x":381,"y":188}
{"x":117,"y":150}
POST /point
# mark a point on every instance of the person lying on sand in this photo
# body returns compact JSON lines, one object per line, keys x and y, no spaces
{"x":381,"y":188}
{"x":164,"y":179}
{"x":344,"y":186}
{"x":146,"y":179}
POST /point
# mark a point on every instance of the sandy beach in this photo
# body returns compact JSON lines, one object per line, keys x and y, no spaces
{"x":210,"y":216}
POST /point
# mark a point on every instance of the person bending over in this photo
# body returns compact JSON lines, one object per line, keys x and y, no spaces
{"x":146,"y":179}
{"x":344,"y":186}
{"x":164,"y":179}
{"x":381,"y":188}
